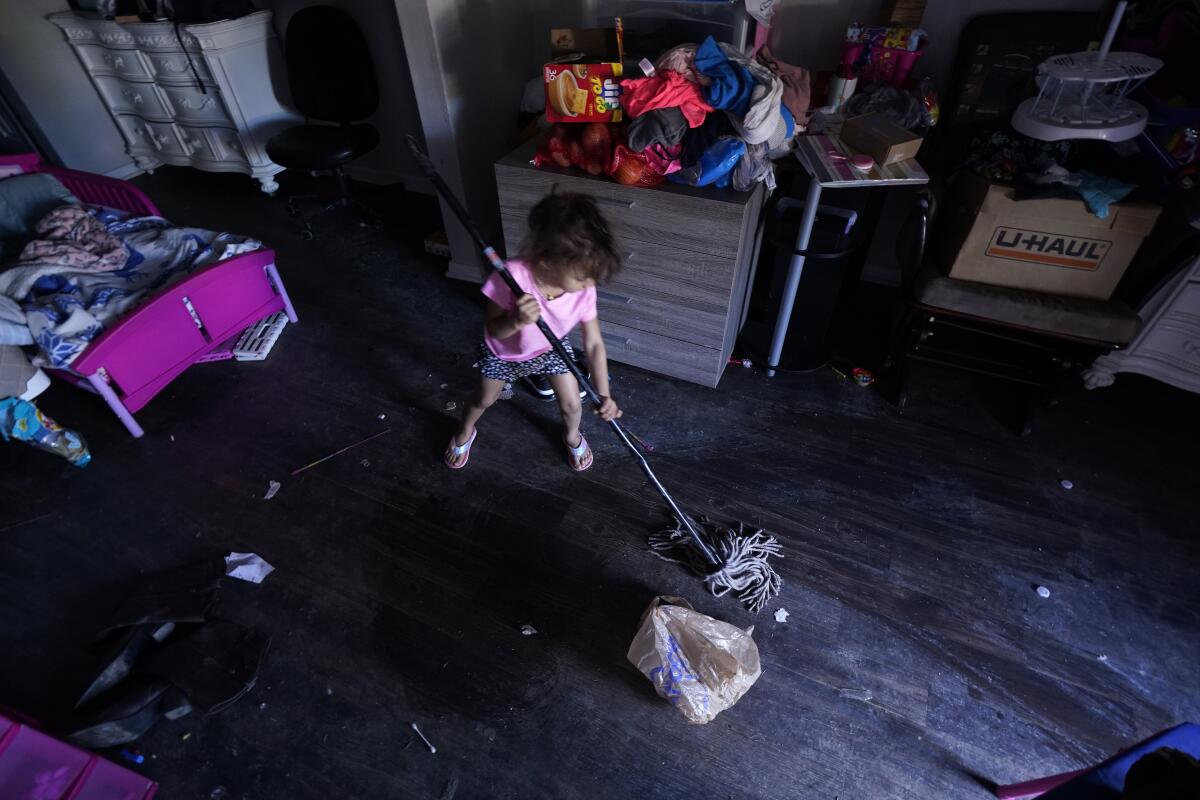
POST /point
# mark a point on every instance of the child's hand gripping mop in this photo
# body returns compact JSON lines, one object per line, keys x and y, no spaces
{"x":729,"y":560}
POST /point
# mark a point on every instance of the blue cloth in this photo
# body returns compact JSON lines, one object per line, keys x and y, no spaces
{"x":714,"y":165}
{"x":788,"y":120}
{"x":1107,"y":781}
{"x":1098,"y":191}
{"x":731,"y":82}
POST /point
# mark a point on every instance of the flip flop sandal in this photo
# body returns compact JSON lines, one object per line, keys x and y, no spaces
{"x":120,"y":655}
{"x":130,"y":712}
{"x":459,"y":450}
{"x":214,"y":665}
{"x":576,"y":454}
{"x":147,"y":617}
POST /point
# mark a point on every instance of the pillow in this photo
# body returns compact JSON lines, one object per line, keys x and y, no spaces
{"x":24,"y":200}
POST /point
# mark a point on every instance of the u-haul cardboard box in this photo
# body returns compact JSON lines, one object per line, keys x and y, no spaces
{"x":1053,"y":245}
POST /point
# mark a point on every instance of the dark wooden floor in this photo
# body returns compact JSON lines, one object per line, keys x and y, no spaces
{"x":917,"y":661}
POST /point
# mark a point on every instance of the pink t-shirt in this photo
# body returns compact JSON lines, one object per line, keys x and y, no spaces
{"x":562,"y":314}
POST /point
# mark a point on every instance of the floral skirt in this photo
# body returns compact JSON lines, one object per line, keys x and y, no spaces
{"x":498,"y":369}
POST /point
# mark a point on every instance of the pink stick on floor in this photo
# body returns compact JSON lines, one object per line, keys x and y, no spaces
{"x":104,"y":390}
{"x":1016,"y":791}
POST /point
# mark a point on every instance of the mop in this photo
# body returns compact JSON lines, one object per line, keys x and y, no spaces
{"x":729,"y":560}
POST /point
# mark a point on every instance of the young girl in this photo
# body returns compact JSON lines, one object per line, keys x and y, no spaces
{"x":569,"y":250}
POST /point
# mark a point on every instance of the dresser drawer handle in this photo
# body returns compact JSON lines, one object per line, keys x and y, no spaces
{"x":604,"y":201}
{"x":614,"y":298}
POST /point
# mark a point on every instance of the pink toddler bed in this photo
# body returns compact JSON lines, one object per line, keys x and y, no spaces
{"x":135,"y":358}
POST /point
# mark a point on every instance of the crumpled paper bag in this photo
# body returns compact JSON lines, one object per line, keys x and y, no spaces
{"x":702,"y":665}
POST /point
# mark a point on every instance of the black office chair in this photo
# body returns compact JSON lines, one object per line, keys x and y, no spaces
{"x":332,"y":79}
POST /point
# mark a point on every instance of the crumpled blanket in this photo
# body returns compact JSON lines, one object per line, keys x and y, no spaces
{"x":754,"y":165}
{"x":714,"y":165}
{"x":682,"y":59}
{"x":797,"y":88}
{"x":665,"y":89}
{"x":698,"y":140}
{"x":663,"y":160}
{"x":71,"y":237}
{"x":13,"y":328}
{"x":730,"y":83}
{"x":1098,"y":191}
{"x":763,"y":119}
{"x":665,"y":126}
{"x":67,"y":307}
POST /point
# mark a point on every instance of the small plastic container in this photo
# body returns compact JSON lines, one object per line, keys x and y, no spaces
{"x":33,"y":764}
{"x":107,"y":781}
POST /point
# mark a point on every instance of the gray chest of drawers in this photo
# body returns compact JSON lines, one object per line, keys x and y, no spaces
{"x":680,"y":299}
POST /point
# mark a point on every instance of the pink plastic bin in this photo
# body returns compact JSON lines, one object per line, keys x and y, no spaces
{"x":34,"y":766}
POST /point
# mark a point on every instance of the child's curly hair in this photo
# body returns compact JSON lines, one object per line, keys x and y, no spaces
{"x":567,"y":233}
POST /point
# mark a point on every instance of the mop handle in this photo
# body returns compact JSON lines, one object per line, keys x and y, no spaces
{"x":497,"y":264}
{"x":1111,"y":33}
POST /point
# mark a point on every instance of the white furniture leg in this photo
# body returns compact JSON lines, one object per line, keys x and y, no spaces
{"x":795,"y":270}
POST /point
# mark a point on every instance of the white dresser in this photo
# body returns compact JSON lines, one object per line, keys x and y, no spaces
{"x":219,"y":123}
{"x":1168,"y":346}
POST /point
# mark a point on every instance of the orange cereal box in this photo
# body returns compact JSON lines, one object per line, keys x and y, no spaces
{"x":583,"y":92}
{"x":583,"y":82}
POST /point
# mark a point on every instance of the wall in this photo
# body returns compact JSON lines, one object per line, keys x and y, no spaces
{"x":49,"y":80}
{"x":397,"y":114}
{"x":469,"y":62}
{"x":809,"y":32}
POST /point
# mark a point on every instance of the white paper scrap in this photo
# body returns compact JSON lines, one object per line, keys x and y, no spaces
{"x":247,"y":567}
{"x":781,"y":615}
{"x":272,"y":490}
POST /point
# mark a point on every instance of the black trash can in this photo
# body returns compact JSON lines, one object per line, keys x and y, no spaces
{"x":835,"y":240}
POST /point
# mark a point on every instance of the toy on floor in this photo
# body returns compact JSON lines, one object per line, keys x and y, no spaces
{"x":21,"y":420}
{"x":36,"y":765}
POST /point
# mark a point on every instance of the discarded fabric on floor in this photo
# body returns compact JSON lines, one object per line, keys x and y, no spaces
{"x":700,"y":664}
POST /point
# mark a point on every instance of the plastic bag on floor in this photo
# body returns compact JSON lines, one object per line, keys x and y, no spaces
{"x":702,"y":665}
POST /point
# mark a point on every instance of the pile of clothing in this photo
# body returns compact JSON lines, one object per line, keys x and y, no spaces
{"x":710,"y":115}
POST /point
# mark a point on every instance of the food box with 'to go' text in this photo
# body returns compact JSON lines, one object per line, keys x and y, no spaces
{"x":582,"y":92}
{"x":583,"y":80}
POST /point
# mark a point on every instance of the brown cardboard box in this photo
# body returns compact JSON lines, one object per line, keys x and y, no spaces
{"x":880,"y":138}
{"x":1054,"y":245}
